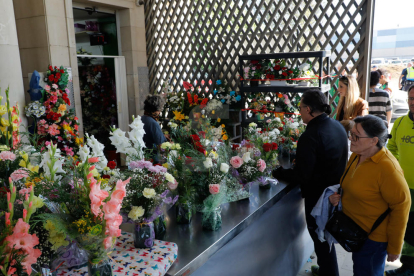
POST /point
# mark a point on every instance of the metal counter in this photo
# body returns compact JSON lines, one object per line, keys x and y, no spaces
{"x":196,"y":246}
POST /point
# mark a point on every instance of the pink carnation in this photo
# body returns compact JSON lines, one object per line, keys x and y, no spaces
{"x":53,"y":130}
{"x":19,"y":174}
{"x":7,"y":155}
{"x":214,"y":189}
{"x":47,"y":87}
{"x":172,"y":186}
{"x":141,"y":164}
{"x":236,"y":162}
{"x":261,"y":164}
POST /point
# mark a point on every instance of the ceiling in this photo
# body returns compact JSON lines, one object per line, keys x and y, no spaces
{"x":79,"y":14}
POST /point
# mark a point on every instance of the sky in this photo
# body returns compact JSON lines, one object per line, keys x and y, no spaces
{"x":391,"y":14}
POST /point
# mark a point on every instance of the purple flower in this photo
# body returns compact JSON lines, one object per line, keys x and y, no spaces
{"x":141,"y":164}
{"x":243,"y":143}
{"x":157,"y":169}
{"x":262,"y":180}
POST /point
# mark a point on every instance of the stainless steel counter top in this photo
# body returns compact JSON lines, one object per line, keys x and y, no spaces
{"x":196,"y":245}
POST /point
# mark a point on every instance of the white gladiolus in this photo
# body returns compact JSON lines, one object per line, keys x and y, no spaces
{"x":83,"y":153}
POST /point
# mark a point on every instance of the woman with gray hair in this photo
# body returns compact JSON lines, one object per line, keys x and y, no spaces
{"x":374,"y":185}
{"x":153,"y":138}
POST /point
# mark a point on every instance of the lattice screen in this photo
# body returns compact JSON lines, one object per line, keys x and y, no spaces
{"x":200,"y":40}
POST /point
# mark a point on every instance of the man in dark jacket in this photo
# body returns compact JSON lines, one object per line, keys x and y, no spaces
{"x":321,"y":157}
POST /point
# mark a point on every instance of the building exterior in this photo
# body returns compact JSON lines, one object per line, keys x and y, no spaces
{"x":393,"y":43}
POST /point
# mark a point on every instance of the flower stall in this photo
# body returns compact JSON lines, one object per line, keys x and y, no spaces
{"x":83,"y":214}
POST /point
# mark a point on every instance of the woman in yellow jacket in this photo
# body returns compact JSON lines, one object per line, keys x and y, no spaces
{"x":374,"y":183}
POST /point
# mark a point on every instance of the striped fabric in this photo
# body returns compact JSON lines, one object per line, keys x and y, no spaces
{"x":379,"y":103}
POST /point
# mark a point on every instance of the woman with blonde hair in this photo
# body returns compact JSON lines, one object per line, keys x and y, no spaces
{"x":350,"y":105}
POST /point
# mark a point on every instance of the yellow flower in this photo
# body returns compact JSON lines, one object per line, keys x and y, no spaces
{"x":4,"y":122}
{"x":136,"y":212}
{"x":218,"y":120}
{"x":149,"y":193}
{"x":165,"y":165}
{"x":203,"y":116}
{"x":62,"y":108}
{"x":3,"y":110}
{"x":225,"y":137}
{"x":186,"y":117}
{"x":178,"y":116}
{"x":23,"y":164}
{"x":213,"y":112}
{"x":223,"y":126}
{"x":95,"y":173}
{"x":4,"y":148}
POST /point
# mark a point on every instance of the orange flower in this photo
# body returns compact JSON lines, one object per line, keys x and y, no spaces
{"x":279,"y":95}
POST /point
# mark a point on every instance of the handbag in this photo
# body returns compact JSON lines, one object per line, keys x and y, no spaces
{"x":346,"y":231}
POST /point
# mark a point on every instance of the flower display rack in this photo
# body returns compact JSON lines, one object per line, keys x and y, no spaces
{"x":320,"y":58}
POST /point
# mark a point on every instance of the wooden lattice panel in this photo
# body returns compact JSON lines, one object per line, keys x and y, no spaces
{"x":200,"y":40}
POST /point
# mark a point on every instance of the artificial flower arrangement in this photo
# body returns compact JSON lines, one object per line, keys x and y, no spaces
{"x":279,"y":70}
{"x":9,"y":128}
{"x":17,"y":245}
{"x":253,"y":71}
{"x":148,"y":196}
{"x":305,"y":72}
{"x":52,"y":118}
{"x":222,"y":93}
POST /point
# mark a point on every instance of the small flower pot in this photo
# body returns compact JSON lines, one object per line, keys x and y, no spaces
{"x":144,"y":235}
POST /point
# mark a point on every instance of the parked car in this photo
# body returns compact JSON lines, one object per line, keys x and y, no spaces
{"x":399,"y":104}
{"x":378,"y":61}
{"x":396,"y":62}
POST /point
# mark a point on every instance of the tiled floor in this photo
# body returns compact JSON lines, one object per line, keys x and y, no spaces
{"x":344,"y":263}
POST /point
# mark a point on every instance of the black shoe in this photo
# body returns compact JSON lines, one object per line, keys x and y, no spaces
{"x":402,"y":271}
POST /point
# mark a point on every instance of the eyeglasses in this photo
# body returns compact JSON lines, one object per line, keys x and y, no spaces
{"x":410,"y":99}
{"x":302,"y":107}
{"x":355,"y":137}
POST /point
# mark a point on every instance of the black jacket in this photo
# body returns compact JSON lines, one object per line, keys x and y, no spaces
{"x":321,"y":157}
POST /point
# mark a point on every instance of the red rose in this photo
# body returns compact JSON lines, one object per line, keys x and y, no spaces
{"x":199,"y":147}
{"x":202,"y":134}
{"x":283,"y":123}
{"x":105,"y":176}
{"x":62,"y":71}
{"x":258,"y":66}
{"x":291,"y":138}
{"x":274,"y":146}
{"x":51,"y":77}
{"x":49,"y":116}
{"x":58,"y":75}
{"x":235,"y":146}
{"x":284,"y":74}
{"x":277,"y":67}
{"x":254,"y":62}
{"x":267,"y":147}
{"x":111,"y":165}
{"x":77,"y":163}
{"x":280,"y":128}
{"x":50,"y":67}
{"x":290,"y":72}
{"x":270,"y":76}
{"x":55,"y":80}
{"x":284,"y":68}
{"x":195,"y":138}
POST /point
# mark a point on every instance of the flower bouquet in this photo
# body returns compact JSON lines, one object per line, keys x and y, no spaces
{"x":305,"y":72}
{"x":253,"y":72}
{"x":293,"y":128}
{"x":147,"y":198}
{"x":247,"y":169}
{"x":92,"y":218}
{"x":17,"y":252}
{"x":211,"y":206}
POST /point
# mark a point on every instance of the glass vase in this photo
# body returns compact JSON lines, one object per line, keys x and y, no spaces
{"x":160,"y":227}
{"x":99,"y":268}
{"x":212,"y":220}
{"x":184,"y":213}
{"x":144,"y":235}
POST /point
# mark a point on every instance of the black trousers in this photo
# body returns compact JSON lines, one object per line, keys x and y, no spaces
{"x":328,"y":265}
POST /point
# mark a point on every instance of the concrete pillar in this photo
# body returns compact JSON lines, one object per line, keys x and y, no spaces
{"x":10,"y":68}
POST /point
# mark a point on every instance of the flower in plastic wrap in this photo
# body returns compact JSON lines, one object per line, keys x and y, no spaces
{"x":261,"y":164}
{"x":246,"y":157}
{"x":136,"y":212}
{"x":236,"y":162}
{"x":149,"y":193}
{"x":172,"y":185}
{"x":169,"y":177}
{"x":214,"y":189}
{"x":208,"y":163}
{"x":224,"y":167}
{"x":252,"y":125}
{"x":166,"y":145}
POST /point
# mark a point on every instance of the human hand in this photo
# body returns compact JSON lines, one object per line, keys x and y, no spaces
{"x":400,"y":85}
{"x":334,"y":199}
{"x":392,"y":257}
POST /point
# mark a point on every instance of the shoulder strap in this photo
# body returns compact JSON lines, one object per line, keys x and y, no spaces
{"x":343,"y":177}
{"x":380,"y":220}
